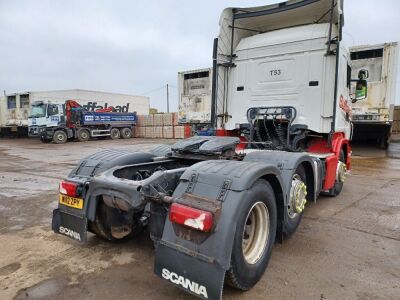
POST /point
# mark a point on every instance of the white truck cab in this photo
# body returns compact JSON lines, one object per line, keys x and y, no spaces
{"x":289,"y":67}
{"x":44,"y":114}
{"x":287,"y":54}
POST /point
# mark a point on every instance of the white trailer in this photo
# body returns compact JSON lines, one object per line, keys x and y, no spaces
{"x":15,"y":108}
{"x":195,"y":96}
{"x":14,"y":112}
{"x":373,"y":117}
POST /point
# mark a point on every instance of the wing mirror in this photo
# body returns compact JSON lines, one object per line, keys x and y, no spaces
{"x":361,"y":86}
{"x":363,"y":74}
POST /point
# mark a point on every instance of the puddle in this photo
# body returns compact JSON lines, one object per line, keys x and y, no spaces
{"x":44,"y":289}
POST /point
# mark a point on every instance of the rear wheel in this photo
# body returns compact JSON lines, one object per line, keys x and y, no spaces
{"x":83,"y":135}
{"x":384,"y":142}
{"x":115,"y":134}
{"x":126,"y":133}
{"x":60,"y":137}
{"x":254,"y":237}
{"x":44,"y":140}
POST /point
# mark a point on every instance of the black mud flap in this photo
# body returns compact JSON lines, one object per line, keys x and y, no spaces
{"x":71,"y":226}
{"x":200,"y":278}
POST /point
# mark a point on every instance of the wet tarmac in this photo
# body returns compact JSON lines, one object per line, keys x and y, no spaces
{"x":345,"y":248}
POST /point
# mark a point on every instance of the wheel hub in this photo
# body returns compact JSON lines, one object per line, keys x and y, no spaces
{"x":255,"y":233}
{"x":341,"y":172}
{"x":298,"y":193}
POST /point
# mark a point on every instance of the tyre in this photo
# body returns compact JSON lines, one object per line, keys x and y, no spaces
{"x":126,"y":133}
{"x":60,"y":137}
{"x":115,"y":134}
{"x":83,"y":135}
{"x":44,"y":140}
{"x":384,"y":143}
{"x":337,"y":189}
{"x":293,"y":216}
{"x":254,"y":237}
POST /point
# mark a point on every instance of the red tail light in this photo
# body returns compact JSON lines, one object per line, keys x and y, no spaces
{"x":191,"y":217}
{"x":68,"y":188}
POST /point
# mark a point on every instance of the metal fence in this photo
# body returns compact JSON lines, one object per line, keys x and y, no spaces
{"x":396,"y":120}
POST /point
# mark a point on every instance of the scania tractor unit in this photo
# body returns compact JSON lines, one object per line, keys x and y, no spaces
{"x":215,"y":205}
{"x":60,"y":122}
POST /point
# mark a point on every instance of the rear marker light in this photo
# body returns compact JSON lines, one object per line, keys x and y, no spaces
{"x":191,"y":217}
{"x":68,"y":188}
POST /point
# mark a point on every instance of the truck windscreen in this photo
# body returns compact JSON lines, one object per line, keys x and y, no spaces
{"x":38,"y":111}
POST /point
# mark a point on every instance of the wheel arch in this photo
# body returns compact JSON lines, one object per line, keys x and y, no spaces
{"x":311,"y":183}
{"x":279,"y":199}
{"x":340,"y":143}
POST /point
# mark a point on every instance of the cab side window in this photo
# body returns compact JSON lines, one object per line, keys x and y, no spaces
{"x":52,"y":109}
{"x":348,"y":76}
{"x":11,"y":102}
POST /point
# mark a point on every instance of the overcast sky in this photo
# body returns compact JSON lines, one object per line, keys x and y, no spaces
{"x":136,"y":47}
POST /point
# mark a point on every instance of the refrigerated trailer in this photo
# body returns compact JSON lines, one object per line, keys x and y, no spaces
{"x":216,"y":205}
{"x":373,"y":117}
{"x":14,"y":112}
{"x":195,"y":96}
{"x":194,"y":88}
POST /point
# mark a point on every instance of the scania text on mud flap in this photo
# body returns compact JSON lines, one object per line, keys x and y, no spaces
{"x":187,"y":284}
{"x":69,"y":232}
{"x":215,"y":205}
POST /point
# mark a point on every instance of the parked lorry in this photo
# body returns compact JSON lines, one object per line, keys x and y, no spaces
{"x":373,"y":117}
{"x":60,"y":122}
{"x":15,"y":107}
{"x":194,"y":89}
{"x":215,"y":205}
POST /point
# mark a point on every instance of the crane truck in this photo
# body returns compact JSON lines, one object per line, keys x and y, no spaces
{"x":215,"y":205}
{"x":59,"y":122}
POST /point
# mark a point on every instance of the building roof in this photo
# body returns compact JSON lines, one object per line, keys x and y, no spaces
{"x":71,"y":90}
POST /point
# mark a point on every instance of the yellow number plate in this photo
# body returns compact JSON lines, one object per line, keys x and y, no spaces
{"x":71,"y":201}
